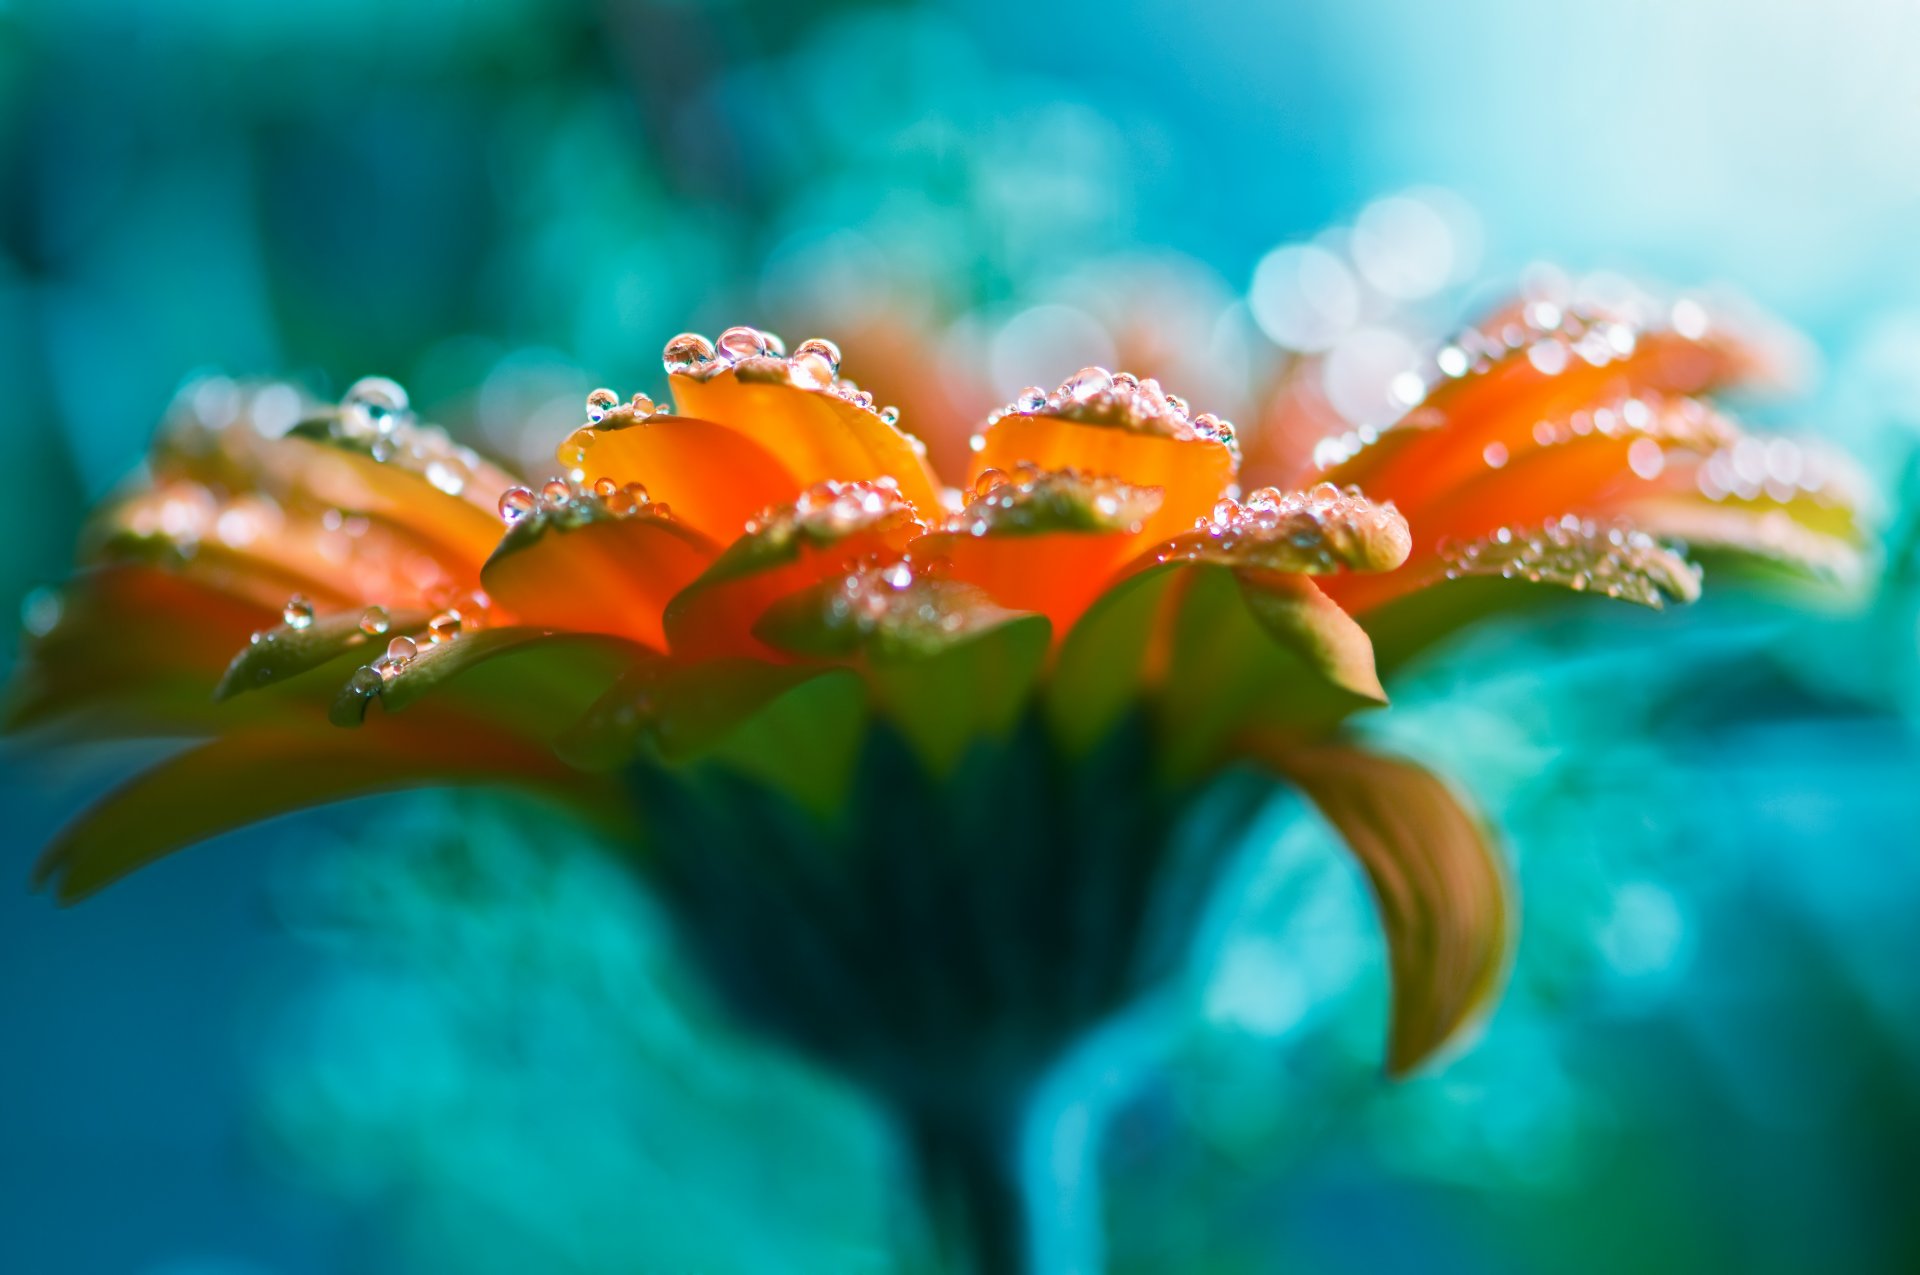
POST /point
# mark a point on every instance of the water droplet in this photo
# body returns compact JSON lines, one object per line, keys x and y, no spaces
{"x":891,"y":415}
{"x":402,"y":650}
{"x":600,"y":402}
{"x":1495,"y":454}
{"x":742,"y":342}
{"x":573,"y":452}
{"x":1030,"y":400}
{"x":641,"y":405}
{"x":372,"y":406}
{"x":366,"y":682}
{"x":1088,"y":385}
{"x":688,"y":354}
{"x":557,"y":491}
{"x":374,"y":621}
{"x":989,"y":480}
{"x":40,"y":611}
{"x":298,"y":613}
{"x":516,"y":503}
{"x":445,"y":627}
{"x":822,"y":349}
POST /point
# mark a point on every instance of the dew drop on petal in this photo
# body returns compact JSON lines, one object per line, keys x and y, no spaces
{"x":298,"y":613}
{"x":374,"y":621}
{"x":402,"y":649}
{"x":642,"y":405}
{"x":1088,"y":384}
{"x":516,"y":503}
{"x":891,"y":415}
{"x":366,"y":682}
{"x":742,"y":342}
{"x":445,"y":627}
{"x":687,"y":354}
{"x":372,"y":406}
{"x":557,"y":491}
{"x":600,"y":402}
{"x":822,"y":349}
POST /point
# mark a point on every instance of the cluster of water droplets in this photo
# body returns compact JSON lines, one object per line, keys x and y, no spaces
{"x":899,"y":604}
{"x":1582,"y":555}
{"x":568,"y":502}
{"x":376,"y":416}
{"x":1095,"y":396}
{"x":829,"y":511}
{"x":756,"y":356}
{"x":1777,"y":469}
{"x":1551,"y":336}
{"x":1318,"y":531}
{"x":1030,"y":499}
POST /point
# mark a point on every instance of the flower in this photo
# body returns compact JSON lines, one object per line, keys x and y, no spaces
{"x":909,"y":762}
{"x":688,"y":571}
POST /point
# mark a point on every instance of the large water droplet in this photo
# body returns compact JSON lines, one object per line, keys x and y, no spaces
{"x":1088,"y":385}
{"x":516,"y":503}
{"x":742,"y":343}
{"x":374,"y":621}
{"x":402,"y":650}
{"x":371,"y":407}
{"x":298,"y":613}
{"x":821,"y":349}
{"x":688,"y":354}
{"x":600,"y":402}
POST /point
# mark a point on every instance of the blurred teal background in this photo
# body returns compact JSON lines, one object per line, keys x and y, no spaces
{"x":425,"y":1037}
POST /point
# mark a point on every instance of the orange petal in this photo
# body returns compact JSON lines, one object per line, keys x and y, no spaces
{"x":1046,"y":543}
{"x":443,"y":494}
{"x":587,"y":569}
{"x":254,"y":547}
{"x":815,"y":433}
{"x":247,"y":777}
{"x":1191,"y":471}
{"x":714,"y":477}
{"x":829,"y":529}
{"x":135,"y":650}
{"x":1495,"y":384}
{"x":1443,"y":894}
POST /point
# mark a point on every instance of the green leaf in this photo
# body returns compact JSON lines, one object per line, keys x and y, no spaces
{"x":532,"y":680}
{"x":284,"y":651}
{"x":1212,"y":647}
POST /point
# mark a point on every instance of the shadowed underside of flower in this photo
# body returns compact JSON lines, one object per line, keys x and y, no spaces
{"x":755,"y":588}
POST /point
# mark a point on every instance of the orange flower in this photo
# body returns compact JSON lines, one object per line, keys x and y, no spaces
{"x":761,"y":582}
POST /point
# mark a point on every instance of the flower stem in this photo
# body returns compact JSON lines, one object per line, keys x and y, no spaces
{"x":1010,"y":1190}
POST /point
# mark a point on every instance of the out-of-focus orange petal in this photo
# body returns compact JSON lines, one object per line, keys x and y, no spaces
{"x":254,"y":547}
{"x":590,"y":570}
{"x":134,"y":650}
{"x":1043,"y":542}
{"x":712,"y":476}
{"x":254,"y":775}
{"x":1495,"y":384}
{"x":817,"y":435}
{"x":831,"y":529}
{"x":441,"y":493}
